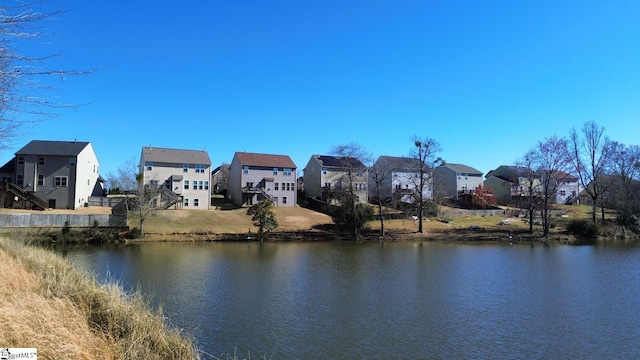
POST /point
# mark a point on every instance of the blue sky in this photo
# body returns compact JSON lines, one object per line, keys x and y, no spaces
{"x":487,"y":80}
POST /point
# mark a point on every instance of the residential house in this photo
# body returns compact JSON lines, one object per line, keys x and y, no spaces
{"x":326,"y":176}
{"x":52,"y":174}
{"x":511,"y":183}
{"x":568,"y":189}
{"x":255,"y":177}
{"x":220,"y":179}
{"x":453,"y":180}
{"x":398,"y":179}
{"x":183,"y":177}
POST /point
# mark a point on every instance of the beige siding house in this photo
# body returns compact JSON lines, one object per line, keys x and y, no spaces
{"x":325,"y":177}
{"x":453,"y":180}
{"x":255,"y":177}
{"x":53,"y":174}
{"x":185,"y":173}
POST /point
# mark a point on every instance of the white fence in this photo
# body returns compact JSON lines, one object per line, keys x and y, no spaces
{"x":59,"y":220}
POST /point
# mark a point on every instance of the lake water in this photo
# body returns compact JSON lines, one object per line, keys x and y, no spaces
{"x":393,"y":301}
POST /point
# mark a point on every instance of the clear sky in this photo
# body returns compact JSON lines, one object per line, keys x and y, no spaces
{"x":486,"y":79}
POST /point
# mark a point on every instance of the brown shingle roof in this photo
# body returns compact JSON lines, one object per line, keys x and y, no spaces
{"x":265,"y":160}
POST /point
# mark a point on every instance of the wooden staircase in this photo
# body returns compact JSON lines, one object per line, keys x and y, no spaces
{"x":168,"y":198}
{"x":36,"y":202}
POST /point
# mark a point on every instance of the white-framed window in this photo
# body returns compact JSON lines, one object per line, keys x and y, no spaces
{"x":196,"y":202}
{"x":275,"y":171}
{"x":185,"y":167}
{"x":286,"y":171}
{"x":324,"y":171}
{"x":186,"y":202}
{"x":41,"y":160}
{"x":186,"y":184}
{"x":284,"y":199}
{"x":245,"y":169}
{"x":206,"y":185}
{"x":40,"y":180}
{"x":149,"y":165}
{"x":60,"y":181}
{"x":200,"y":168}
{"x":200,"y":185}
{"x":276,"y":186}
{"x":72,"y":162}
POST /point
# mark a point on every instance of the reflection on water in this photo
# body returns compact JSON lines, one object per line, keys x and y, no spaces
{"x":373,"y":301}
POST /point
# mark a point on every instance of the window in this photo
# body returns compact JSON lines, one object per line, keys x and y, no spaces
{"x":200,"y":169}
{"x":287,"y":185}
{"x":200,"y":185}
{"x":20,"y":160}
{"x":276,"y":186}
{"x":284,"y":199}
{"x":286,"y":171}
{"x":60,"y":181}
{"x":206,"y":185}
{"x":245,"y":169}
{"x":72,"y":162}
{"x":41,"y":160}
{"x":324,"y":171}
{"x":185,"y":168}
{"x":562,"y":193}
{"x":196,"y":202}
{"x":327,"y":185}
{"x":40,"y":180}
{"x":153,"y":183}
{"x":186,"y":202}
{"x":275,"y":171}
{"x":186,"y":184}
{"x":149,"y":165}
{"x":20,"y":179}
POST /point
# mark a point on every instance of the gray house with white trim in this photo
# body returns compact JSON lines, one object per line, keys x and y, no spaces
{"x":185,"y":173}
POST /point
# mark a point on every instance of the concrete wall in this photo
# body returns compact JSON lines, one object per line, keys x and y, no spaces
{"x":58,"y":220}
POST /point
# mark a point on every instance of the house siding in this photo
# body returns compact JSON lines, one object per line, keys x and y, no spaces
{"x":81,"y":178}
{"x":172,"y":175}
{"x":263,"y":180}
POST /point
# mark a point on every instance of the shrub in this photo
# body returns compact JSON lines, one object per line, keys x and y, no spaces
{"x":584,"y":230}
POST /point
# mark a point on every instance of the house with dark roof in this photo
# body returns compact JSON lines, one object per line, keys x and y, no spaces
{"x":52,"y":174}
{"x":254,"y":177}
{"x":183,"y":177}
{"x":398,"y":179}
{"x":326,"y":177}
{"x":509,"y":183}
{"x":452,"y":180}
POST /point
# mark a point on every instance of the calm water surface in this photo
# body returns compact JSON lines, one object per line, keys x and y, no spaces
{"x":391,"y":301}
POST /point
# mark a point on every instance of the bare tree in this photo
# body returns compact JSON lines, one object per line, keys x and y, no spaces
{"x":352,"y":158}
{"x":552,"y":166}
{"x":529,"y":180}
{"x":589,"y":152}
{"x":379,"y":174}
{"x":23,"y":78}
{"x":140,"y":199}
{"x":425,"y":151}
{"x":624,"y":170}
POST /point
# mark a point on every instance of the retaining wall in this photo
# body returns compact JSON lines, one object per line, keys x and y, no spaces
{"x":59,"y":220}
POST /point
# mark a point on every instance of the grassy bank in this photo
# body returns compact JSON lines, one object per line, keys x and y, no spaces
{"x":65,"y":314}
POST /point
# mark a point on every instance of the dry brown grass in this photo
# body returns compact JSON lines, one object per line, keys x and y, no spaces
{"x":228,"y":221}
{"x":66,"y":315}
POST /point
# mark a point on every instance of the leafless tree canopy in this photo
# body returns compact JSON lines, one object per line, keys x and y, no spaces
{"x":24,"y":78}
